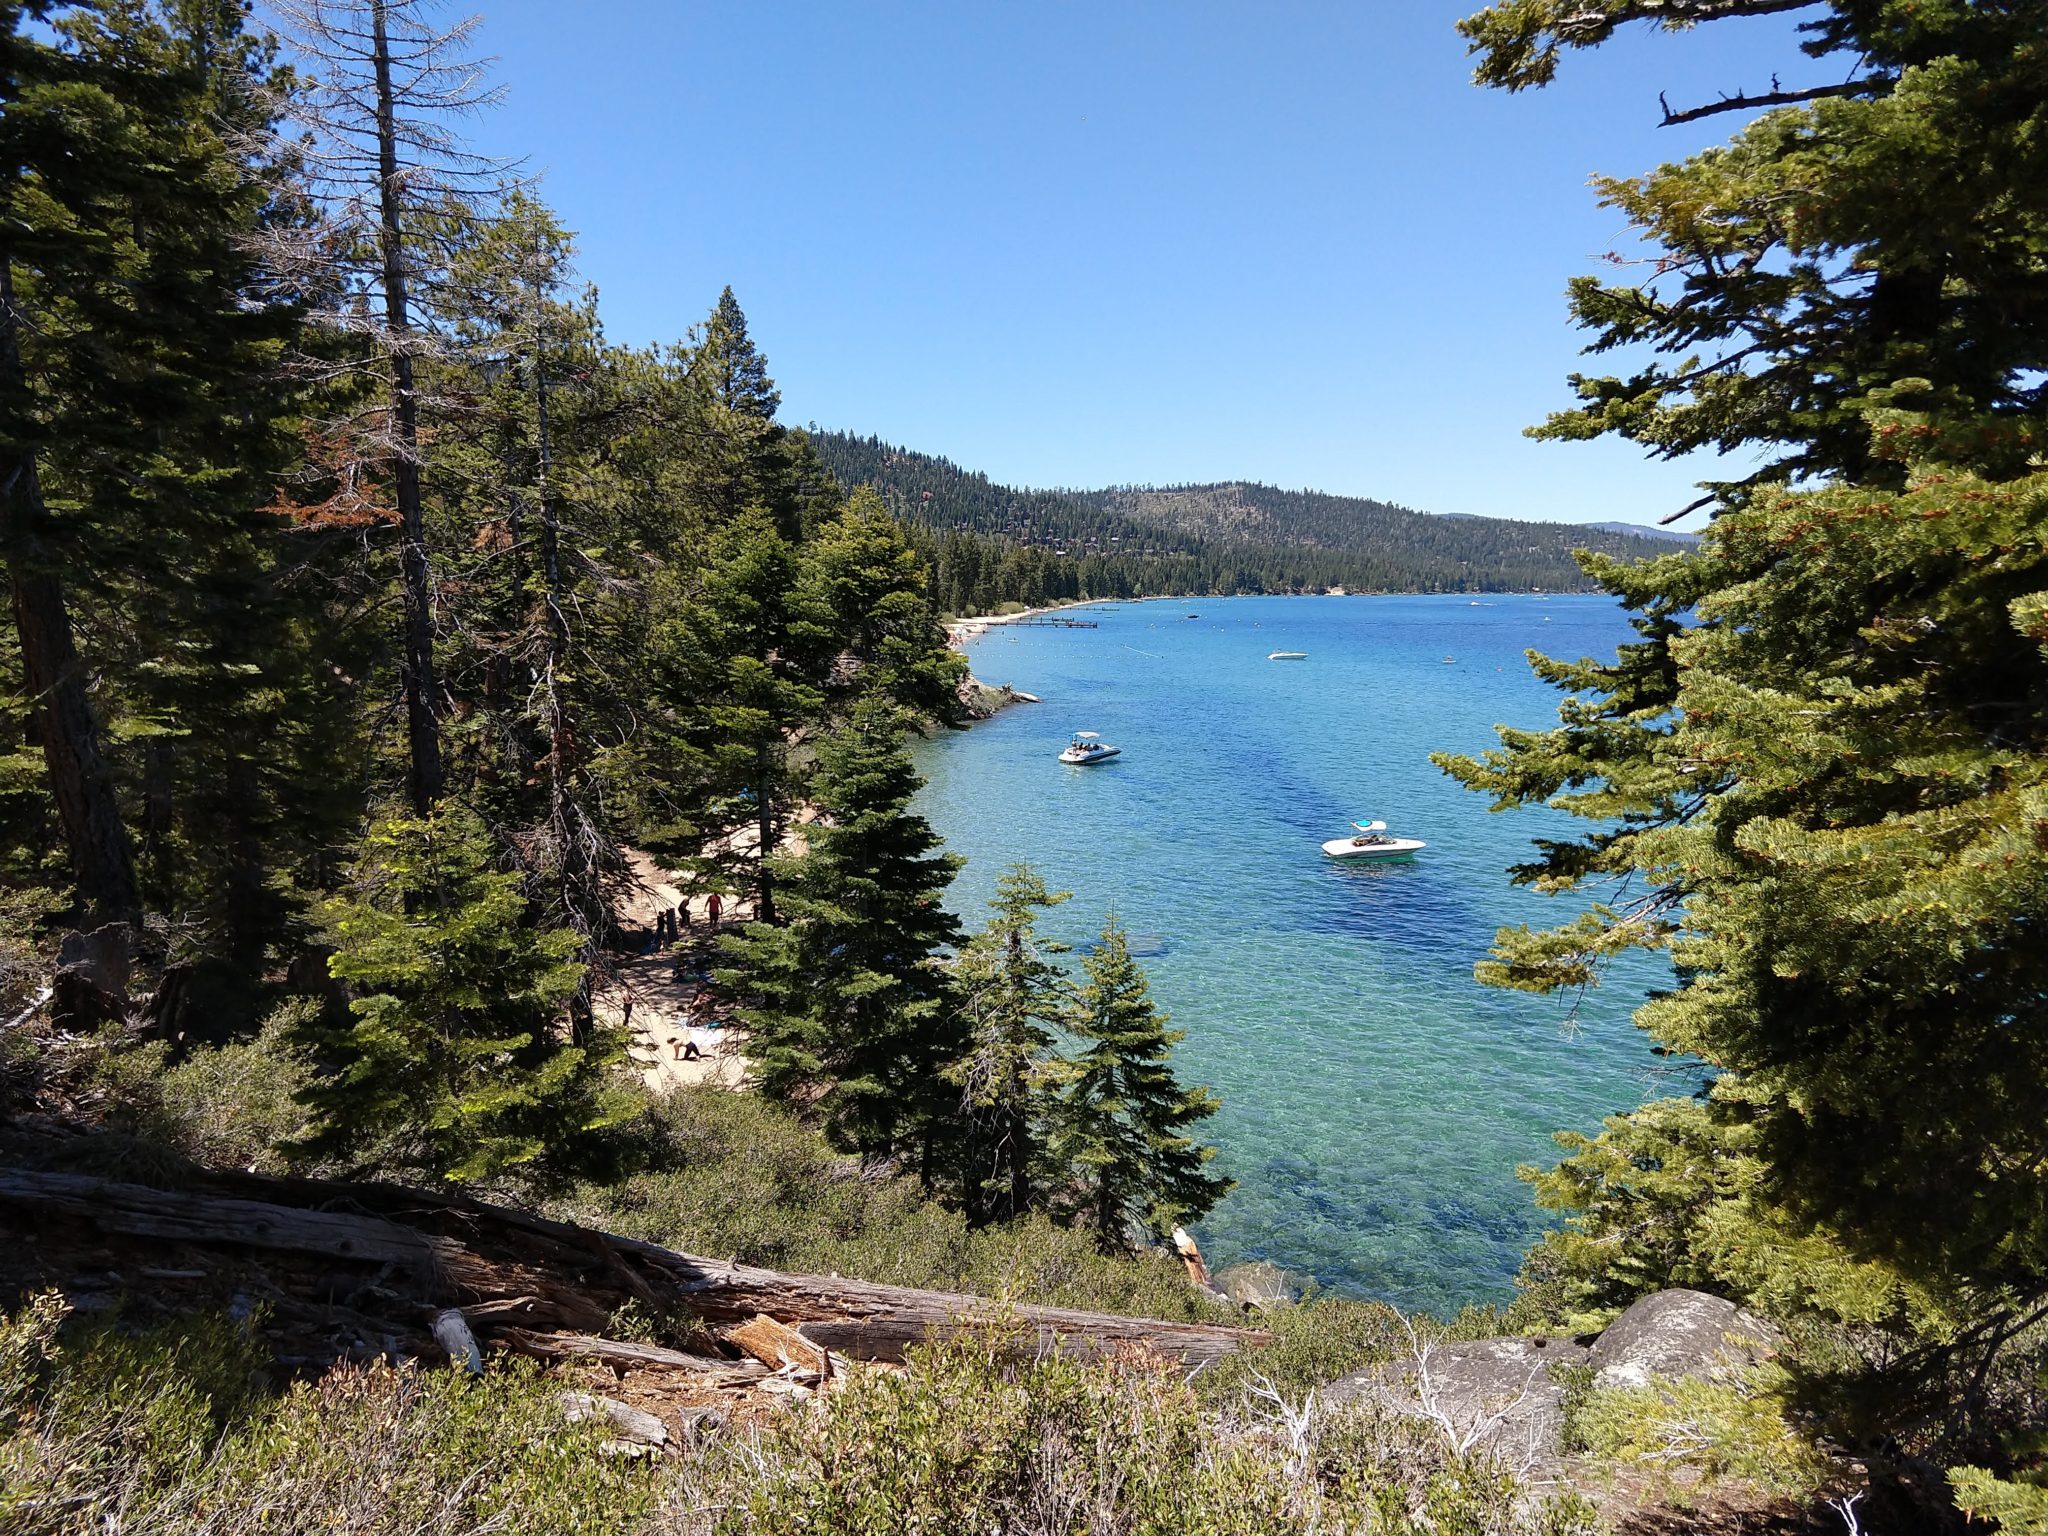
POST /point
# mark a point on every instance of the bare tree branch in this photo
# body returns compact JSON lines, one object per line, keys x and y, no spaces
{"x":1772,"y":98}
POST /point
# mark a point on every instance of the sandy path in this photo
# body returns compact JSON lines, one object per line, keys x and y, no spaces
{"x":656,"y":995}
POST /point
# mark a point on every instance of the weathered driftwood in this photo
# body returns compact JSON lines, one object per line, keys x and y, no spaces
{"x":635,"y":1424}
{"x":628,"y":1356}
{"x":511,"y":1268}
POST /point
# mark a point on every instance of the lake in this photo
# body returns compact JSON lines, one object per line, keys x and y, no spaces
{"x":1376,"y":1100}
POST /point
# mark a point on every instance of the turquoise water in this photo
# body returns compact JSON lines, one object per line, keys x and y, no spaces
{"x":1375,"y":1099}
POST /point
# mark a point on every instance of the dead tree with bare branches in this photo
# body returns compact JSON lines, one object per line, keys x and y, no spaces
{"x":396,"y":184}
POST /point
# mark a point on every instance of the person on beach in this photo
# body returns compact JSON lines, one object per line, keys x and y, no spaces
{"x":626,"y":1009}
{"x":712,"y":904}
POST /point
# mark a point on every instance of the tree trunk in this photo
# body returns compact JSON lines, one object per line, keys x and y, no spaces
{"x":416,"y":668}
{"x":507,"y":1269}
{"x":66,"y":729}
{"x":764,"y":903}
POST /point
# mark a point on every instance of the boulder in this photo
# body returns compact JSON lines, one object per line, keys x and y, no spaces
{"x":1503,"y":1394}
{"x":1679,"y":1333}
{"x":1261,"y":1286}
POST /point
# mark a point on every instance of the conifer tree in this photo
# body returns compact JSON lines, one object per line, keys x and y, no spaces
{"x":383,"y":84}
{"x":529,"y":342}
{"x":851,"y":1012}
{"x":1123,"y":1118}
{"x":1817,"y":775}
{"x":867,"y":585}
{"x":1013,"y":997}
{"x":455,"y":1061}
{"x":140,"y":343}
{"x":745,"y":458}
{"x":741,"y":666}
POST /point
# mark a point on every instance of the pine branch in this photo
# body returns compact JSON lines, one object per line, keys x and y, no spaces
{"x":1592,"y":26}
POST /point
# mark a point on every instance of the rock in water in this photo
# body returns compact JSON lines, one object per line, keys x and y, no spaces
{"x":1679,"y":1333}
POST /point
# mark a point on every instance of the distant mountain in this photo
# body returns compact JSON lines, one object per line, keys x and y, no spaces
{"x":990,"y":542}
{"x":1645,"y":531}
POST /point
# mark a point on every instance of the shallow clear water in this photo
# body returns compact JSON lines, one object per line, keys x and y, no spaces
{"x":1376,"y":1100}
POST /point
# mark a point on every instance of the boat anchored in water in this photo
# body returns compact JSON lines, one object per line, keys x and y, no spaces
{"x":1372,"y":844}
{"x":1087,"y":747}
{"x":1287,"y":655}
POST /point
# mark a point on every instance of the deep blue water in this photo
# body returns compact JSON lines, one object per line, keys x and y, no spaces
{"x":1376,"y":1100}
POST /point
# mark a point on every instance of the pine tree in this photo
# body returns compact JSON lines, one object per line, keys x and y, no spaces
{"x":141,"y":348}
{"x":525,"y":645}
{"x":1818,"y":776}
{"x":867,"y":584}
{"x":744,"y":457}
{"x":741,"y":666}
{"x":382,"y":84}
{"x":1879,"y":234}
{"x":852,"y":1013}
{"x":1013,"y":996}
{"x":455,"y":1062}
{"x":1123,"y":1118}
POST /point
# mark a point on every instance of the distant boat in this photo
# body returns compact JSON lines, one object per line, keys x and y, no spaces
{"x":1287,"y":656}
{"x":1194,"y":615}
{"x":1086,"y":748}
{"x":1372,"y":845}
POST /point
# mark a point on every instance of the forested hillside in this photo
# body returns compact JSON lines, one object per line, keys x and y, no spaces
{"x":988,"y":543}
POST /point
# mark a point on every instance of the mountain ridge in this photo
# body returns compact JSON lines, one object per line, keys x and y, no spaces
{"x":989,"y":543}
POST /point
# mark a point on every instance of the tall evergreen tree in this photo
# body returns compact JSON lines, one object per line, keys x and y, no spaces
{"x":741,"y":666}
{"x":867,"y":585}
{"x":383,"y":83}
{"x":1123,"y":1118}
{"x":744,"y":457}
{"x":525,"y":654}
{"x":1878,"y":233}
{"x":139,"y":347}
{"x":851,"y":1012}
{"x":1013,"y":996}
{"x":1818,"y":773}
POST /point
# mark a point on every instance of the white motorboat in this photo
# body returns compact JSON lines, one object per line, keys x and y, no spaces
{"x":1372,"y":844}
{"x":1287,"y":655}
{"x":1086,"y":748}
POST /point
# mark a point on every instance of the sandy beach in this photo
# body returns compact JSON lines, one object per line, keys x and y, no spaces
{"x":659,"y":996}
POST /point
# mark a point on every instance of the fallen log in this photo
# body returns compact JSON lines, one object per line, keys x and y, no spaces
{"x":506,"y":1267}
{"x":627,"y":1356}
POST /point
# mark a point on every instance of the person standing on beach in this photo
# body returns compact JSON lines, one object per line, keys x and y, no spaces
{"x":711,"y":906}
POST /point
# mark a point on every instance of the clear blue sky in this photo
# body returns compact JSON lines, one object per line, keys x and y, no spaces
{"x":1080,"y":244}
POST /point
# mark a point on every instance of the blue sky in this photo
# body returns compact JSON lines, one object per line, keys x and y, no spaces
{"x":1123,"y":241}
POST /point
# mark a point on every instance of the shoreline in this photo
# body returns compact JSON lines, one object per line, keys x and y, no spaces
{"x":984,"y":700}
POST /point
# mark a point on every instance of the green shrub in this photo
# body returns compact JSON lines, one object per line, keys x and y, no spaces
{"x":1314,"y":1343}
{"x":732,"y":1176}
{"x":173,"y":1430}
{"x":1735,"y":1428}
{"x":108,"y":1424}
{"x":237,"y":1104}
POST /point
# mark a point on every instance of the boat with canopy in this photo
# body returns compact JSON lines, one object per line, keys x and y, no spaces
{"x":1087,"y":747}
